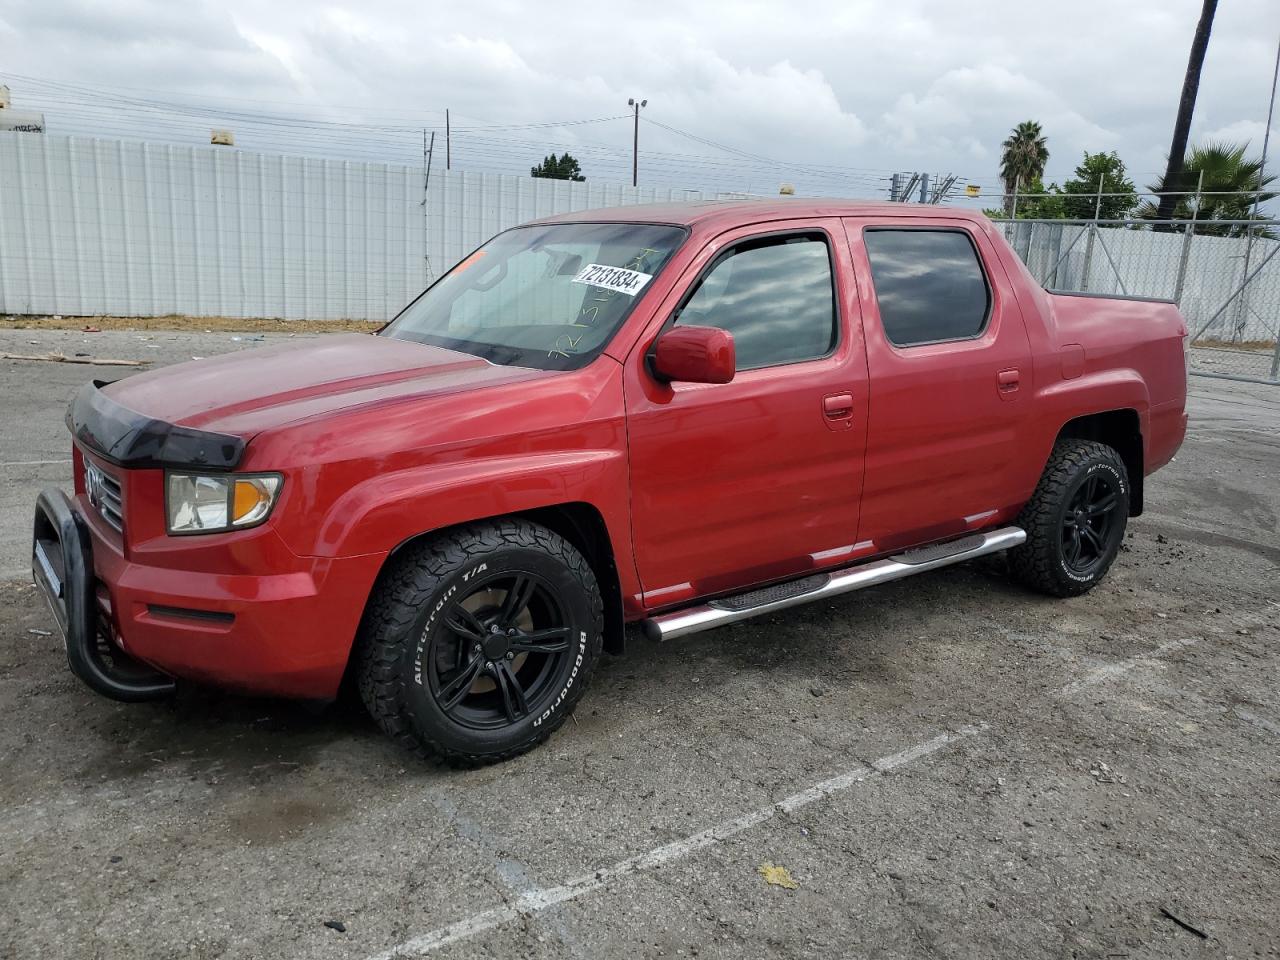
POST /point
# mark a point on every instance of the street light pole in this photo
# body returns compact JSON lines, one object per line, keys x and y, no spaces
{"x":635,"y":106}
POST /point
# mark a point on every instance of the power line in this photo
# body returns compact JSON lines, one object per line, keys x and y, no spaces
{"x":382,"y":146}
{"x":90,"y":98}
{"x":69,"y":92}
{"x":758,"y":157}
{"x":482,"y":145}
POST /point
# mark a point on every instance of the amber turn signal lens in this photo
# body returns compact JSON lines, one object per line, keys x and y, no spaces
{"x":252,"y":499}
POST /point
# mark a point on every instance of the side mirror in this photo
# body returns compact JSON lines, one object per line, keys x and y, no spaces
{"x":694,"y":355}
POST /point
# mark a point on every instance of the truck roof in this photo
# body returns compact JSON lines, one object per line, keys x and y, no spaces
{"x":727,"y":214}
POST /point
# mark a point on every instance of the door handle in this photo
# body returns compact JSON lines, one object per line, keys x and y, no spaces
{"x":838,"y":406}
{"x":1008,"y":380}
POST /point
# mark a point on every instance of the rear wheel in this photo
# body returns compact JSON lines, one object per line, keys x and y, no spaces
{"x":1074,"y":521}
{"x":477,"y":644}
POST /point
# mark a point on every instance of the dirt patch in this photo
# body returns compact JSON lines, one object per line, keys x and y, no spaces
{"x":1244,"y":346}
{"x":175,"y":321}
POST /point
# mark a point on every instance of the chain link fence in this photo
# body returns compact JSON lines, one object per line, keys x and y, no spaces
{"x":1228,"y":287}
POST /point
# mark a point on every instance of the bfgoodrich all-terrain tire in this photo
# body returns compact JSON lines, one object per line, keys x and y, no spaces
{"x":478,"y":643}
{"x":1074,"y":521}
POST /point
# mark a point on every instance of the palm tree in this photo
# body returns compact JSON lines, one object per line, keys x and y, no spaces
{"x":1186,"y":106}
{"x":1229,"y":179}
{"x":1022,"y":161}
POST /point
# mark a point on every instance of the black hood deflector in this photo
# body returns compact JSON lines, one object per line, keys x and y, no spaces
{"x":131,"y":439}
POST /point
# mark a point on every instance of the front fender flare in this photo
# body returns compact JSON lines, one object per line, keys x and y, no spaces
{"x":379,"y":514}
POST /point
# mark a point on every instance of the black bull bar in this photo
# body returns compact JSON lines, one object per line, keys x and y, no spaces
{"x":62,"y":566}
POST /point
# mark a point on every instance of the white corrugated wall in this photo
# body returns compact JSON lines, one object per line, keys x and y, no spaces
{"x":91,"y":227}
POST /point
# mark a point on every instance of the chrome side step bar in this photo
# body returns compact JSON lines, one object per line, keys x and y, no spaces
{"x":718,"y":613}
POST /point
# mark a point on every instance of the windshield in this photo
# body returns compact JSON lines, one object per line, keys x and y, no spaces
{"x":548,"y":296}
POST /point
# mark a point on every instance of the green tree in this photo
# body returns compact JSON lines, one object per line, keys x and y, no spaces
{"x":1041,"y":202}
{"x":1187,"y":105}
{"x":563,"y":167}
{"x":1035,"y":202}
{"x":1023,"y":156}
{"x":1080,"y":193}
{"x":1230,"y":177}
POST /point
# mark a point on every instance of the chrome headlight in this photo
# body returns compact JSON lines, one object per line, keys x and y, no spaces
{"x":208,"y":503}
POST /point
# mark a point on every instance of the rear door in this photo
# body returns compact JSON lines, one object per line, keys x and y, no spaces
{"x":757,"y":479}
{"x":949,"y":364}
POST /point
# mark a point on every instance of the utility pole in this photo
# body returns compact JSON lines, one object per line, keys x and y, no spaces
{"x":903,"y":185}
{"x":635,"y":106}
{"x":448,"y":142}
{"x":427,"y":150}
{"x":941,"y":187}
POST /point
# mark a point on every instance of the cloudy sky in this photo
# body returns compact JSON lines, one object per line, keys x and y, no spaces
{"x":829,"y":96}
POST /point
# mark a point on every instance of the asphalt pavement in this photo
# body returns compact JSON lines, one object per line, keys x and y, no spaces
{"x":948,"y":766}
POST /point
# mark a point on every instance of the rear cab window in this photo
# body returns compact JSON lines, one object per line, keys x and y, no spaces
{"x":929,"y":284}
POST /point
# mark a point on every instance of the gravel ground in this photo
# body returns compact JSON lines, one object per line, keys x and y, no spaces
{"x":946,"y":766}
{"x":178,"y":322}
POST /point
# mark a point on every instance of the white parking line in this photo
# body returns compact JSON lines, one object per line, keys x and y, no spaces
{"x":532,"y":901}
{"x":1260,"y":722}
{"x":513,"y":874}
{"x":542,"y":898}
{"x":32,"y":463}
{"x":1112,"y":670}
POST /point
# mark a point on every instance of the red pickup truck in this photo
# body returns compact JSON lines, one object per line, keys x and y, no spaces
{"x":679,"y":415}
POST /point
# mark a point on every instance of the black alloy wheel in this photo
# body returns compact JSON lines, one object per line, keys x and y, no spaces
{"x":1089,"y":524}
{"x":498,"y":649}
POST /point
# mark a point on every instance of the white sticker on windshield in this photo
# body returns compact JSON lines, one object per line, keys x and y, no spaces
{"x":620,"y":279}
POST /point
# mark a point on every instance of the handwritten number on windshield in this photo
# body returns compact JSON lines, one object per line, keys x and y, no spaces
{"x":589,"y":315}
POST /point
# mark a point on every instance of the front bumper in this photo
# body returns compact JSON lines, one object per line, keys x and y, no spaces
{"x":287,"y":633}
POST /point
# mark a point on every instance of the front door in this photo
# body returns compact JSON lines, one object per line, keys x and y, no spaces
{"x":950,"y":374}
{"x":757,"y":479}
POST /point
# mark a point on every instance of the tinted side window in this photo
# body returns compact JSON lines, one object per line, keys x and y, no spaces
{"x":776,"y":297}
{"x":929,"y":285}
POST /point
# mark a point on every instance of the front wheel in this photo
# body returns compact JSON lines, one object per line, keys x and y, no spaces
{"x":1074,"y":521}
{"x":477,"y":644}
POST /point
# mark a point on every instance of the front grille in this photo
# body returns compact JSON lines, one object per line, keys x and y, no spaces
{"x":105,"y":494}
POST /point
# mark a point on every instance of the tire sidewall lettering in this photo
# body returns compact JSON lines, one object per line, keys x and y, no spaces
{"x":424,"y":635}
{"x":573,"y":675}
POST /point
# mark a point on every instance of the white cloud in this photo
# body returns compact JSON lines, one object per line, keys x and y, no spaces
{"x":840,"y":92}
{"x":938,"y":127}
{"x":1241,"y":131}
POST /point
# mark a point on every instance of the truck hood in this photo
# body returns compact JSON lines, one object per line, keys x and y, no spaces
{"x":250,"y":391}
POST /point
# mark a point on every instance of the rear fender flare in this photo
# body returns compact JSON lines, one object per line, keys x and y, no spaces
{"x":1101,"y":392}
